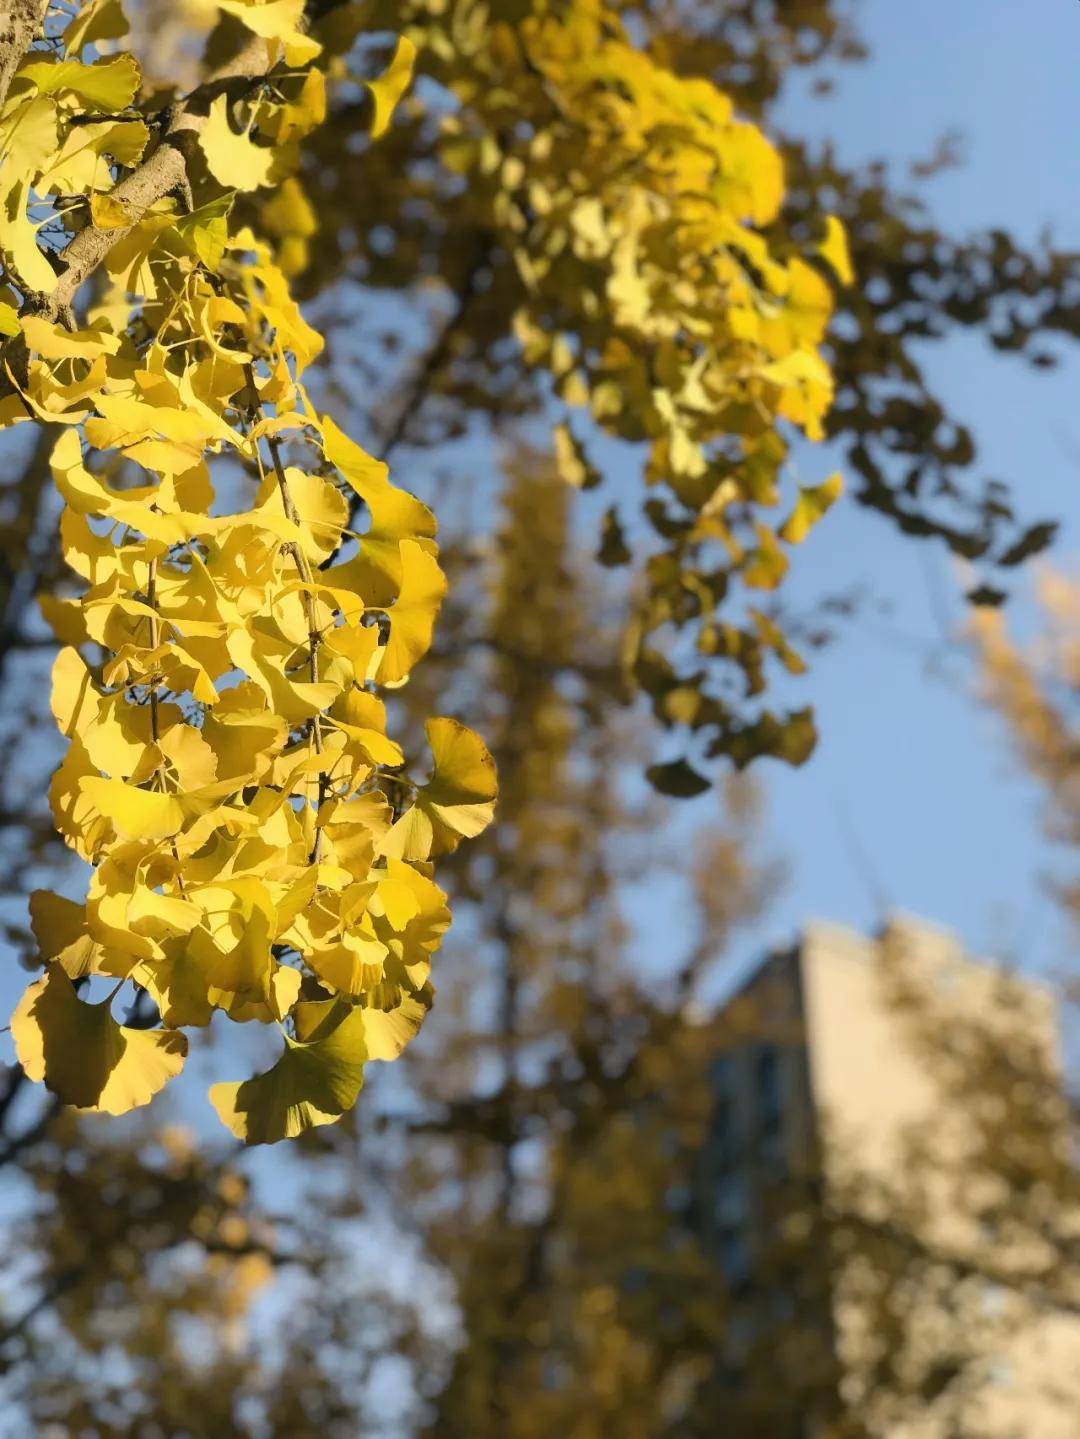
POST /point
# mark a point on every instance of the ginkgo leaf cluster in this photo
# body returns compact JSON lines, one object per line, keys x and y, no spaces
{"x":663,"y":298}
{"x":257,"y":849}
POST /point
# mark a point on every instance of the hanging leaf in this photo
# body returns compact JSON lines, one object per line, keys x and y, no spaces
{"x":313,"y":1083}
{"x":229,"y":769}
{"x":457,"y":802}
{"x":809,"y":508}
{"x":835,"y":252}
{"x":387,"y":89}
{"x":84,"y":1056}
{"x":233,"y":159}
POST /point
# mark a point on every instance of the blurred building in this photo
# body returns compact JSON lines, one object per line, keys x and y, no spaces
{"x":889,"y":1189}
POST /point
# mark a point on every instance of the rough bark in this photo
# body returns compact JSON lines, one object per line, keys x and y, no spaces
{"x":20,"y":25}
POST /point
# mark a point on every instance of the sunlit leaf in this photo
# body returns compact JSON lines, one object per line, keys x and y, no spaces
{"x":313,"y":1083}
{"x":84,"y":1056}
{"x":457,"y":802}
{"x":809,"y":508}
{"x":387,"y":89}
{"x":233,"y":159}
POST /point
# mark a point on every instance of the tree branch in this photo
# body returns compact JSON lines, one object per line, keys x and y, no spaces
{"x":20,"y":26}
{"x":30,"y":1137}
{"x":164,"y":171}
{"x":437,"y":355}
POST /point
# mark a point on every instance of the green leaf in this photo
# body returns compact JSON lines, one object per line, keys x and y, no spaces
{"x":613,"y":549}
{"x":206,"y":229}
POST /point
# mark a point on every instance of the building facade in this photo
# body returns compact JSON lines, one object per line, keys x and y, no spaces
{"x":889,"y":1188}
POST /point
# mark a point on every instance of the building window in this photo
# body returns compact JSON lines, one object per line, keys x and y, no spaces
{"x":732,"y":1215}
{"x":769,"y":1098}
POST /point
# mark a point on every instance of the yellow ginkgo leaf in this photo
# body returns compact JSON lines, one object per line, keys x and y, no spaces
{"x":571,"y":461}
{"x":29,"y":135}
{"x":60,"y":929}
{"x":232,"y":943}
{"x":314,"y":1082}
{"x":289,"y":211}
{"x":835,"y":252}
{"x":362,"y":717}
{"x":765,"y":566}
{"x":18,"y":237}
{"x":81,"y":163}
{"x":135,"y":813}
{"x":350,"y":830}
{"x":84,"y":1056}
{"x":98,"y":20}
{"x":387,"y":89}
{"x":243,"y":733}
{"x":393,"y":515}
{"x":809,"y":508}
{"x":206,"y":230}
{"x":457,"y":802}
{"x":107,"y":85}
{"x":235,"y":161}
{"x":108,"y":213}
{"x":320,"y":507}
{"x":53,"y":342}
{"x":388,"y":1031}
{"x":350,"y":962}
{"x":276,"y":20}
{"x":77,"y":818}
{"x":410,"y":913}
{"x":178,"y":986}
{"x":413,"y":613}
{"x":284,"y":991}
